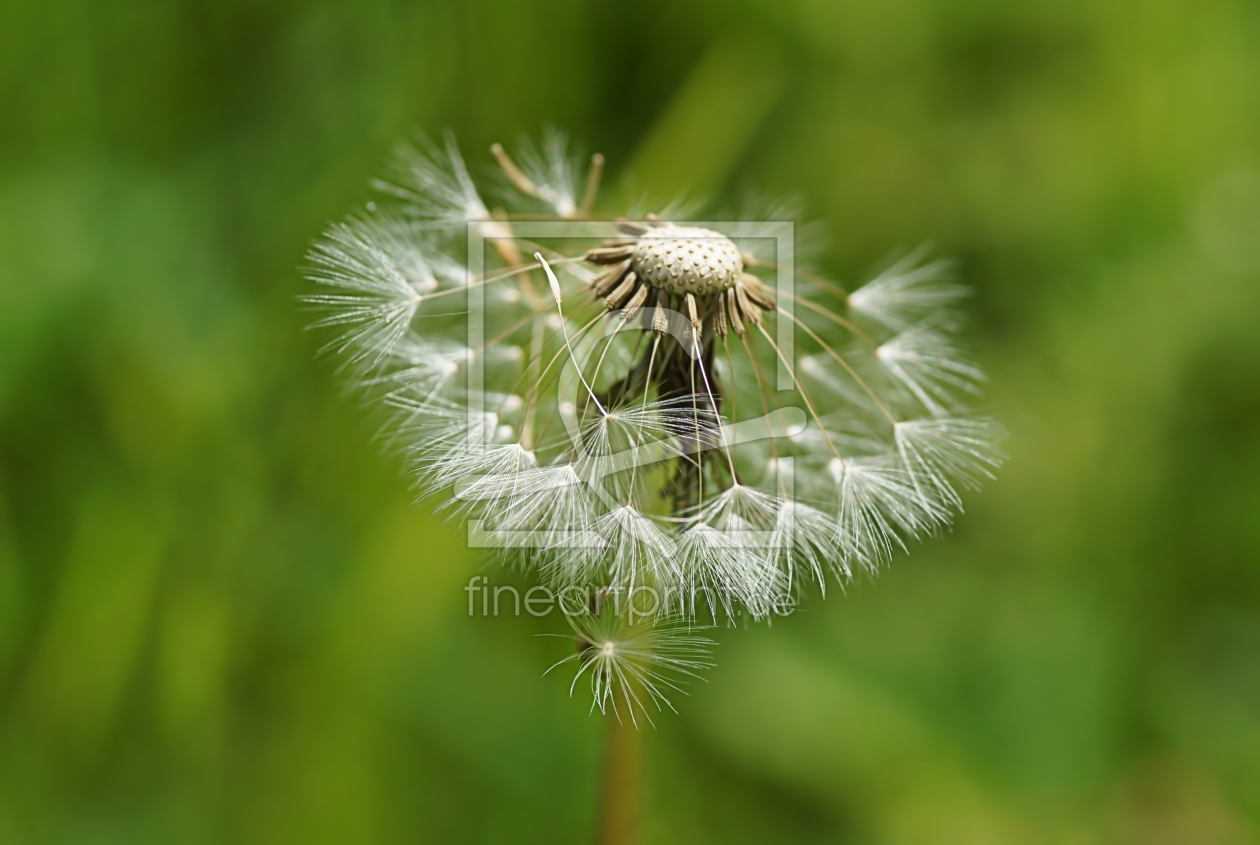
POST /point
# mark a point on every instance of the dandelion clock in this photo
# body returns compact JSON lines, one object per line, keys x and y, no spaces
{"x":665,"y":421}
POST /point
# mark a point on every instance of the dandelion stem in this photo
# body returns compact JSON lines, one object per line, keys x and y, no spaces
{"x":619,"y":799}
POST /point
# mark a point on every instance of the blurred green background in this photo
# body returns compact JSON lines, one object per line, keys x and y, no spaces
{"x":222,"y":619}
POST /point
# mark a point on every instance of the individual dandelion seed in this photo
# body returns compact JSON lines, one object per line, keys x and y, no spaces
{"x":628,"y":416}
{"x":632,"y":665}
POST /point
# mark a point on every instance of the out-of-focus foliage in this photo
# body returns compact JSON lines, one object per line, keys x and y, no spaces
{"x":222,"y":619}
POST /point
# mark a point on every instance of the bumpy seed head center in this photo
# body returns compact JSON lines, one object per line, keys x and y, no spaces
{"x":687,"y":259}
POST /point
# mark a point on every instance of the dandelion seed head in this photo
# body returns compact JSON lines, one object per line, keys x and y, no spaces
{"x":631,"y":411}
{"x":687,"y":259}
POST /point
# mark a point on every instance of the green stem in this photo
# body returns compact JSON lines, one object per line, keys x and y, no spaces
{"x":620,"y":788}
